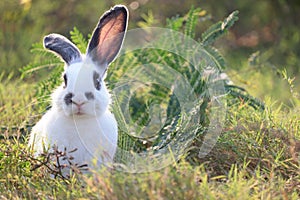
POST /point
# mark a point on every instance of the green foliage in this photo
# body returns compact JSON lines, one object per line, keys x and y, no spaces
{"x":239,"y":167}
{"x":52,"y":65}
{"x":78,"y":39}
{"x":218,"y":29}
{"x":44,"y":60}
{"x":148,"y":20}
{"x":16,"y":99}
{"x":141,"y":105}
{"x":216,"y":56}
{"x":24,"y":22}
{"x":13,"y":42}
{"x":191,"y":21}
{"x":256,"y":157}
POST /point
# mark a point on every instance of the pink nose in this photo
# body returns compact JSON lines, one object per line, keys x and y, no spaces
{"x":79,"y":104}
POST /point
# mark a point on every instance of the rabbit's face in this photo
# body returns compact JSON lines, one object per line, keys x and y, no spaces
{"x":83,"y":93}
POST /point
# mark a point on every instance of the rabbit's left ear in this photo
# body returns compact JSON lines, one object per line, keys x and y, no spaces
{"x":108,"y":36}
{"x":63,"y":47}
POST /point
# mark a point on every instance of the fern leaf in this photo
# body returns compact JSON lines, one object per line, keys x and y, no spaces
{"x":241,"y":94}
{"x":148,"y":20}
{"x":36,"y":46}
{"x":191,"y":22}
{"x":78,"y":39}
{"x":33,"y":67}
{"x":175,"y":23}
{"x":230,"y":20}
{"x":218,"y":29}
{"x":39,"y":50}
{"x":216,"y":56}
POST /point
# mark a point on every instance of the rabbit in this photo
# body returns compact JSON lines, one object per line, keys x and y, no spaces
{"x":79,"y":117}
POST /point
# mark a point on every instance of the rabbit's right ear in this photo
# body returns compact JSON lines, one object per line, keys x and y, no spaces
{"x":63,"y":47}
{"x":108,"y":36}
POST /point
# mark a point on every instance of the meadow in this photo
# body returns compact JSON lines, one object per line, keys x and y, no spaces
{"x":256,"y":155}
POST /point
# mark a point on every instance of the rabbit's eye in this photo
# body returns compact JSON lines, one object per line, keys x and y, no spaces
{"x":98,"y":84}
{"x":65,"y":80}
{"x":97,"y":81}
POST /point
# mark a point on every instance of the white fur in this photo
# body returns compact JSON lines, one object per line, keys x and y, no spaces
{"x":94,"y":133}
{"x":79,"y":117}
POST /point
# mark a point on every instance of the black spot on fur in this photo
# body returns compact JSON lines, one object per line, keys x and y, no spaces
{"x":65,"y":80}
{"x":97,"y":80}
{"x":68,"y":98}
{"x":89,"y":95}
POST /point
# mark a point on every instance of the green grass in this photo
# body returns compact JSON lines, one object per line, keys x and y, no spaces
{"x":16,"y":105}
{"x":256,"y":157}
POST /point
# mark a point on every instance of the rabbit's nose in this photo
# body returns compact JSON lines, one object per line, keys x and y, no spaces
{"x":78,"y":101}
{"x":78,"y":104}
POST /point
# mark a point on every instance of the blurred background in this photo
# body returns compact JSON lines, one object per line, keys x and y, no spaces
{"x":262,"y":50}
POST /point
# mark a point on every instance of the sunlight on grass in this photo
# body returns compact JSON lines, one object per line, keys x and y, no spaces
{"x":16,"y":105}
{"x":255,"y":157}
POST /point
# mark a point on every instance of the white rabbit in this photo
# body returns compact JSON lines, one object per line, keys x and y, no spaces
{"x":79,"y":117}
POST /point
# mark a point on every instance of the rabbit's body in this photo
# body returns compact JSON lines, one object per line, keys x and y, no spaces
{"x":89,"y":140}
{"x":79,"y":117}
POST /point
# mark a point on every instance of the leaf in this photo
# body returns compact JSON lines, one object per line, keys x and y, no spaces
{"x":37,"y":47}
{"x":32,"y":67}
{"x":175,"y":23}
{"x":217,"y":30}
{"x":216,"y":57}
{"x":230,"y":20}
{"x":78,"y":39}
{"x":191,"y":21}
{"x":44,"y":59}
{"x":148,"y":20}
{"x":39,"y":50}
{"x":241,"y":94}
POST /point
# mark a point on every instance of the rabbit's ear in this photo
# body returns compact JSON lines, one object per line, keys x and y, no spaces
{"x":63,"y":47}
{"x":108,"y":36}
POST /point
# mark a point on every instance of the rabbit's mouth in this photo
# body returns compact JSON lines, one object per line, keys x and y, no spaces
{"x":78,"y":110}
{"x":79,"y":113}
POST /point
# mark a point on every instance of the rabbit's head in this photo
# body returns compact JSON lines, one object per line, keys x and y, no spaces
{"x":83,"y":92}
